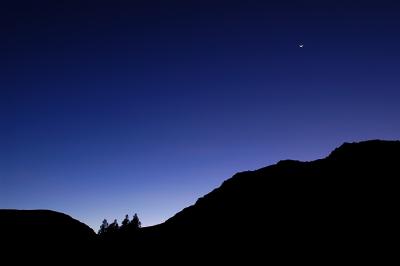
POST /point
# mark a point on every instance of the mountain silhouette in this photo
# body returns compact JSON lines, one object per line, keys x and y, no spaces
{"x":340,"y":208}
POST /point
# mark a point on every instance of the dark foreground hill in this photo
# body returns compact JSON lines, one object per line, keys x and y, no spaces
{"x":42,"y":232}
{"x":342,"y":208}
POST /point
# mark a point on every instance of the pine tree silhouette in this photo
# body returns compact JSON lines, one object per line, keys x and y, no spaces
{"x":135,"y":223}
{"x":125,"y":222}
{"x":103,"y":227}
{"x":112,"y":228}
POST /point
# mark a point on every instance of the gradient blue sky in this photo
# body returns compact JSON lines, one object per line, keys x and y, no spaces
{"x":115,"y":107}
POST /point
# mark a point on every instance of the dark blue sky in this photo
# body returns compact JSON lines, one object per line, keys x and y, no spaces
{"x":115,"y":107}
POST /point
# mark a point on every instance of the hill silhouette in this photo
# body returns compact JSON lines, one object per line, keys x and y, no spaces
{"x":42,"y":234}
{"x":45,"y":224}
{"x":340,"y":208}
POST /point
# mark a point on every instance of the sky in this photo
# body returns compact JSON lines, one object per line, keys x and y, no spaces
{"x":118,"y":107}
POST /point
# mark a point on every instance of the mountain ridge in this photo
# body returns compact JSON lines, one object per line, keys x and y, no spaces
{"x":338,"y":206}
{"x":347,"y":149}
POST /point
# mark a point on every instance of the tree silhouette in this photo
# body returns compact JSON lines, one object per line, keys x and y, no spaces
{"x":125,"y":222}
{"x":112,"y":228}
{"x":103,"y":227}
{"x":109,"y":230}
{"x":135,"y":223}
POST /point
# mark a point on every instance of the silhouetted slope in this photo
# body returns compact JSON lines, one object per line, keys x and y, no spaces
{"x":342,"y":205}
{"x":48,"y":229}
{"x":343,"y":173}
